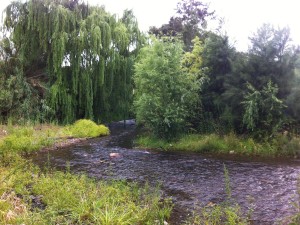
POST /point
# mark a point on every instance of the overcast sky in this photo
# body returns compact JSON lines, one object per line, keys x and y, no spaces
{"x":242,"y":17}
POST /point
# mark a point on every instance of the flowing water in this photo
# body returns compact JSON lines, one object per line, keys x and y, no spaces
{"x":267,"y":188}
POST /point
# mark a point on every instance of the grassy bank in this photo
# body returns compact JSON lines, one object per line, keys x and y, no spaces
{"x":30,"y":196}
{"x":26,"y":139}
{"x":281,"y":145}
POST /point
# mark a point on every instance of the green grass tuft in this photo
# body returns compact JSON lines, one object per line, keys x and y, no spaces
{"x":65,"y":198}
{"x":86,"y":128}
{"x":227,"y":212}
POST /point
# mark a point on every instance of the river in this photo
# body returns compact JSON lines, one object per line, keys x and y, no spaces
{"x":267,"y":187}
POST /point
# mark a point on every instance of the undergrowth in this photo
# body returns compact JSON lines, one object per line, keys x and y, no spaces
{"x":281,"y":145}
{"x":32,"y":138}
{"x":31,"y":197}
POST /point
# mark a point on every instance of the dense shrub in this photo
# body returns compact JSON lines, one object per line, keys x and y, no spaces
{"x":165,"y":93}
{"x":86,"y":128}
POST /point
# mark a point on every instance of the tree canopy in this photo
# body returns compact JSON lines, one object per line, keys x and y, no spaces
{"x":188,"y":23}
{"x":79,"y":56}
{"x":67,"y":60}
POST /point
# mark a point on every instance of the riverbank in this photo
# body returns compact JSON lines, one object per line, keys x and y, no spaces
{"x":227,"y":145}
{"x":31,"y":196}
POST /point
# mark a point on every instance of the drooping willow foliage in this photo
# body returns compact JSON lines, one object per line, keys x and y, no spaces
{"x":83,"y":52}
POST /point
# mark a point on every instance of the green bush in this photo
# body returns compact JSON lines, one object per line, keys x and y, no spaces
{"x":86,"y":128}
{"x":165,"y":93}
{"x":263,"y":111}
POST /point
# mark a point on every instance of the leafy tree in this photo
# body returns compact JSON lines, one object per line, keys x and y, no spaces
{"x":191,"y":18}
{"x":293,"y":99}
{"x":235,"y":88}
{"x":263,"y":110}
{"x":193,"y":64}
{"x":18,"y":100}
{"x":272,"y":57}
{"x":193,"y":61}
{"x":80,"y":57}
{"x":217,"y":58}
{"x":165,"y":93}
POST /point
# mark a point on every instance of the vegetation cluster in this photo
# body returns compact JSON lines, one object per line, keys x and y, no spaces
{"x":26,"y":139}
{"x":64,"y":60}
{"x":230,"y":144}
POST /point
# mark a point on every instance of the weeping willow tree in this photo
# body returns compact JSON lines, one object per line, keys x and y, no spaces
{"x":83,"y":53}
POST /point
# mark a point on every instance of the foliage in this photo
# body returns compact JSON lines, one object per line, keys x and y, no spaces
{"x":263,"y":110}
{"x":192,"y":63}
{"x":165,"y":93}
{"x":18,"y":99}
{"x":272,"y":57}
{"x":187,"y":24}
{"x":86,"y":128}
{"x":64,"y":60}
{"x":217,"y":57}
{"x":31,"y":197}
{"x":235,"y":87}
{"x":76,"y":56}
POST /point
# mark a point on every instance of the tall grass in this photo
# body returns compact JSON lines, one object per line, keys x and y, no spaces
{"x":27,"y":139}
{"x":281,"y":145}
{"x":295,"y":218}
{"x":32,"y":197}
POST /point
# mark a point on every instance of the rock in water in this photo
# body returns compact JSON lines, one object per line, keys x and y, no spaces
{"x":114,"y":155}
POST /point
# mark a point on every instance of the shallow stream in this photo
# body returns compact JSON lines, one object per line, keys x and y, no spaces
{"x":268,"y":188}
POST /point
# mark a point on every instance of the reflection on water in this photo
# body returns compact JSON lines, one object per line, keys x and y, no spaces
{"x":189,"y":179}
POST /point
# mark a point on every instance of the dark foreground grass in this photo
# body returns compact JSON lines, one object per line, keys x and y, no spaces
{"x":281,"y":145}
